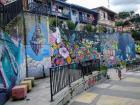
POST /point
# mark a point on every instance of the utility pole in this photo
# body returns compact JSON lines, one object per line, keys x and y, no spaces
{"x":108,"y":4}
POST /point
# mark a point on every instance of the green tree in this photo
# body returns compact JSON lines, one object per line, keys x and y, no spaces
{"x":124,"y":15}
{"x":71,"y":25}
{"x":136,"y":34}
{"x":54,"y":22}
{"x":101,"y":29}
{"x":89,"y":28}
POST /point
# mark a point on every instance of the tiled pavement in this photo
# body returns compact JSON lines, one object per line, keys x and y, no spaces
{"x":113,"y":91}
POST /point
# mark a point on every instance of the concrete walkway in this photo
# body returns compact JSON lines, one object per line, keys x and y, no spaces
{"x":113,"y":91}
{"x":40,"y":94}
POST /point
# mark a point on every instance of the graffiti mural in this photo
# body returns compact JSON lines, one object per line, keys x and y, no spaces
{"x":116,"y":47}
{"x":127,"y":46}
{"x":10,"y":74}
{"x":12,"y":56}
{"x":68,"y":46}
{"x":109,"y":47}
{"x":38,"y":48}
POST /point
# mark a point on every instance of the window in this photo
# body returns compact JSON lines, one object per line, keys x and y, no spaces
{"x":104,"y":15}
{"x":88,"y":15}
{"x":74,"y":12}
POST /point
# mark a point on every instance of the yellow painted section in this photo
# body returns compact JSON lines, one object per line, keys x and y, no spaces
{"x":28,"y":83}
{"x":125,"y":88}
{"x":130,"y":79}
{"x":112,"y":100}
{"x":86,"y":98}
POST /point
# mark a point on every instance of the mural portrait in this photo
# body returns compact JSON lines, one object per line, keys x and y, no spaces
{"x":38,"y":48}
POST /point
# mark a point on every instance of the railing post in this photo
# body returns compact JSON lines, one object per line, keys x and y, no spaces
{"x":44,"y":75}
{"x":51,"y":85}
{"x":69,"y":75}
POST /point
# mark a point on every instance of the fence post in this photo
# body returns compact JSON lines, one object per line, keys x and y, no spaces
{"x":51,"y":85}
{"x":69,"y":75}
{"x":44,"y":75}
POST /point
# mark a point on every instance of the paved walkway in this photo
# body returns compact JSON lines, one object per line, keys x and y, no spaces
{"x":40,"y":94}
{"x":113,"y":91}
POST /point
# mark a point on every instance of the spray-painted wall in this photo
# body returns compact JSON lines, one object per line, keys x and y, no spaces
{"x":37,"y":48}
{"x":46,"y":47}
{"x":69,"y":46}
{"x":12,"y":62}
{"x":116,"y":47}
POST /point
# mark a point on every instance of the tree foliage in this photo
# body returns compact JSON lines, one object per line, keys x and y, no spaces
{"x":124,"y":15}
{"x":89,"y":28}
{"x":101,"y":29}
{"x":136,"y":34}
{"x":71,"y":25}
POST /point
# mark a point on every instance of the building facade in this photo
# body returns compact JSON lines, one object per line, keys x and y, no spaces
{"x":106,"y":17}
{"x":62,"y":10}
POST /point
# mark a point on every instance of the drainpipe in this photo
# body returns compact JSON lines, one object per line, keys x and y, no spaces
{"x":25,"y":42}
{"x":70,"y":13}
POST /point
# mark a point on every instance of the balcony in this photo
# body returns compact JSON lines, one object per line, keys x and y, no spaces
{"x":45,"y":9}
{"x":37,"y":8}
{"x":9,"y":11}
{"x":85,"y":20}
{"x":62,"y":15}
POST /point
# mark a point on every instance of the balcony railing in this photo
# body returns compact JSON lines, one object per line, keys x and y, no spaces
{"x":44,"y":9}
{"x":38,"y":8}
{"x":9,"y":11}
{"x":85,"y":20}
{"x":60,"y":14}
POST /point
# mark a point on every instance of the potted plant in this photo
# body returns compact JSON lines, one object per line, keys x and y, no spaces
{"x":103,"y":70}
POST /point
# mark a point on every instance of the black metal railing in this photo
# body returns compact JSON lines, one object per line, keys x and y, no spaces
{"x":89,"y":66}
{"x":85,"y":20}
{"x":133,"y":65}
{"x":63,"y":76}
{"x":9,"y":11}
{"x":44,"y":9}
{"x":38,"y":8}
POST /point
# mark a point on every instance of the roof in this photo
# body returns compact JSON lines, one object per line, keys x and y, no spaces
{"x":62,"y":2}
{"x":105,"y":9}
{"x":83,"y":8}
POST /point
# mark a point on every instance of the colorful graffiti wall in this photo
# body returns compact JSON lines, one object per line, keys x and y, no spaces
{"x":116,"y":47}
{"x":12,"y":65}
{"x":69,"y":46}
{"x":37,"y":45}
{"x":47,"y":47}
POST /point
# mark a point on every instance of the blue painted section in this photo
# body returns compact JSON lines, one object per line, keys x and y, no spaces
{"x":121,"y":44}
{"x":10,"y":62}
{"x":44,"y":50}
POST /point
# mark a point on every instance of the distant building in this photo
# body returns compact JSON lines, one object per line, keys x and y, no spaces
{"x":83,"y":15}
{"x":65,"y":11}
{"x":62,"y":10}
{"x":106,"y":17}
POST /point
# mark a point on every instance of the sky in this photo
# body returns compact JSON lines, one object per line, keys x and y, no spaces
{"x":115,"y":5}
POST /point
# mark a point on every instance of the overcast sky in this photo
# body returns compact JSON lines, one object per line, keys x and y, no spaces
{"x":115,"y":5}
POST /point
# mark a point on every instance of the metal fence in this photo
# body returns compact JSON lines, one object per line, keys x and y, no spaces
{"x":38,"y":8}
{"x":63,"y":76}
{"x":133,"y":65}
